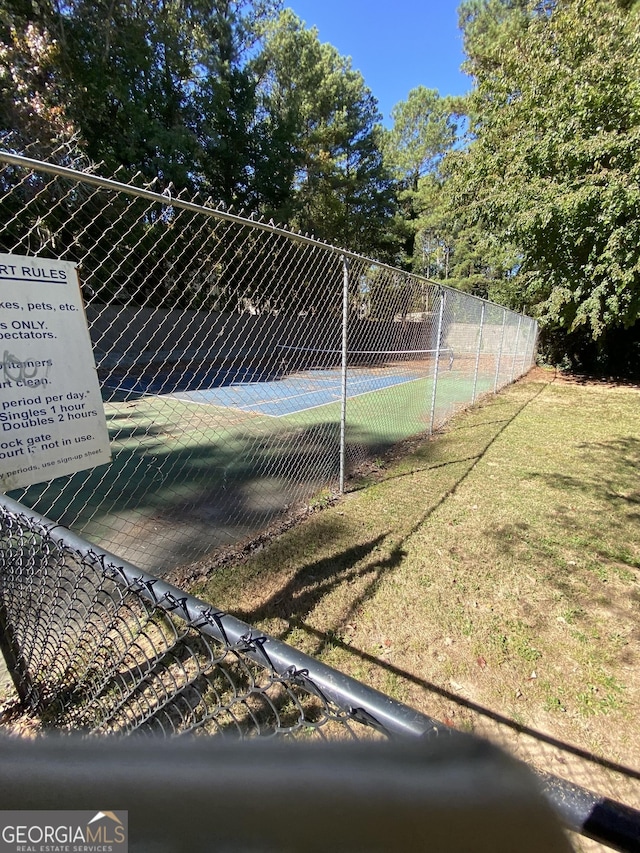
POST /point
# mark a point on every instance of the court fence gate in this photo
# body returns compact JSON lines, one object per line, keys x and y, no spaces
{"x":244,"y":368}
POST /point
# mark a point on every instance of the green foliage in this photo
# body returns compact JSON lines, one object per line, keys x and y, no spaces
{"x":223,"y":97}
{"x":224,"y":107}
{"x":424,"y":130}
{"x":324,"y":121}
{"x":31,"y":99}
{"x":159,"y":87}
{"x":552,"y":167}
{"x":124,"y":66}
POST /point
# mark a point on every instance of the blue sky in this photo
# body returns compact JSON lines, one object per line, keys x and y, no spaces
{"x":396,"y":44}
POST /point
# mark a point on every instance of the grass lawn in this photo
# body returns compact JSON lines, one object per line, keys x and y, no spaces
{"x":488,"y":577}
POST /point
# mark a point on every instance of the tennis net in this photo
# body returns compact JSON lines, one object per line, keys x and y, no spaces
{"x":294,"y":358}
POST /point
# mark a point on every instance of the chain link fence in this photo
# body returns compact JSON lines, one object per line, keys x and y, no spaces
{"x":243,"y":368}
{"x":97,"y":645}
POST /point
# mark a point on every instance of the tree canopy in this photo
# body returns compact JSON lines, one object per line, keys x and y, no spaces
{"x":424,"y":129}
{"x":230,"y":98}
{"x":325,"y":121}
{"x":552,"y":168}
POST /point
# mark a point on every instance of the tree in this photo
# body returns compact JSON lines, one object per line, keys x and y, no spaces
{"x":553,"y":164}
{"x":216,"y":96}
{"x":160,"y":87}
{"x":32,"y":104}
{"x":126,"y":67}
{"x":331,"y":181}
{"x":423,"y":130}
{"x":224,"y":110}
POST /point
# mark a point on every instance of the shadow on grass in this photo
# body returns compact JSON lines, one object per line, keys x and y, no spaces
{"x":316,"y":579}
{"x":313,"y":581}
{"x":330,"y":639}
{"x":616,"y":460}
{"x":421,"y":458}
{"x":587,"y":538}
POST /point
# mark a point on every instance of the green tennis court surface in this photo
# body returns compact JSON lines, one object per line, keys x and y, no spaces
{"x":184,"y":466}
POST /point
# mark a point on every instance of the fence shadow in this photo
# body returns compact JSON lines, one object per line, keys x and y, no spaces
{"x":360,"y":568}
{"x":343,"y":567}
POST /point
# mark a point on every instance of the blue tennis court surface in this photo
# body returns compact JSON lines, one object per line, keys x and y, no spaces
{"x":265,"y":393}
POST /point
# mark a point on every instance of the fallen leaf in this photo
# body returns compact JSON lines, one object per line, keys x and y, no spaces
{"x":481,"y":662}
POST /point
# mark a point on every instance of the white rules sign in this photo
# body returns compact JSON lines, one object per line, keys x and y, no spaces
{"x":52,"y":419}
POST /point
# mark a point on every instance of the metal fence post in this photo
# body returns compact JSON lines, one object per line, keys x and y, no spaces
{"x":345,"y":356}
{"x":475,"y":373}
{"x":434,"y":390}
{"x":525,"y":349}
{"x":515,"y":349}
{"x":497,"y":378}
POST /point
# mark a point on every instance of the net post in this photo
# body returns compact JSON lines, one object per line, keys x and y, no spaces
{"x":475,"y":373}
{"x":434,"y":390}
{"x":345,"y":345}
{"x":498,"y":360}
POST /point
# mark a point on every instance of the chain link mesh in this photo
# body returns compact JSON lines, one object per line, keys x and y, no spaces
{"x":99,"y":646}
{"x":243,"y":368}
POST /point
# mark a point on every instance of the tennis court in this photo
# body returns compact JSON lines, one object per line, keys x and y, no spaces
{"x":267,"y":392}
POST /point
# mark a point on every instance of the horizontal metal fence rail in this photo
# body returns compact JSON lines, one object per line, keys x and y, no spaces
{"x":94,"y":644}
{"x":244,"y":368}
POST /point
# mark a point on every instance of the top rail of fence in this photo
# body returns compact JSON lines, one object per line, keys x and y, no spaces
{"x":215,"y":212}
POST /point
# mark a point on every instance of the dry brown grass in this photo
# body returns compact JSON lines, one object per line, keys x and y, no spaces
{"x":487,"y":577}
